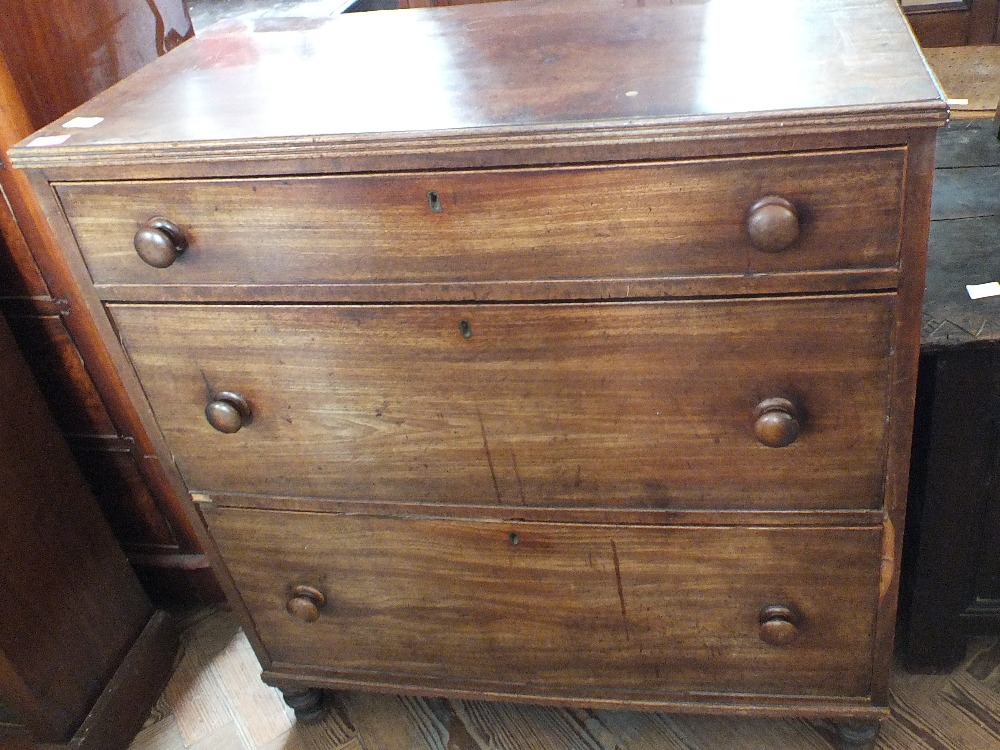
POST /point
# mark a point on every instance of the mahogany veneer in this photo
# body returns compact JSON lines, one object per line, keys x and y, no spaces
{"x":575,"y":364}
{"x":83,"y":654}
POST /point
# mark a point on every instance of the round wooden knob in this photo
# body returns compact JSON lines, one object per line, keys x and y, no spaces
{"x":306,"y":603}
{"x":779,"y":625}
{"x":777,"y":422}
{"x":772,"y":224}
{"x":160,"y":242}
{"x":227,"y":412}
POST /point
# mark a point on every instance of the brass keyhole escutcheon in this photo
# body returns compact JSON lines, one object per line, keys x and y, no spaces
{"x":465,"y":327}
{"x":434,"y":201}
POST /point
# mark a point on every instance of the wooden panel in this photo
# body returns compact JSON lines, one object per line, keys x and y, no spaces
{"x":948,"y":23}
{"x":133,"y":512}
{"x":113,"y":38}
{"x":627,"y":405}
{"x":71,"y":606}
{"x":508,"y":74}
{"x":949,"y":587}
{"x":942,"y":29}
{"x":19,"y":276}
{"x":62,"y":375}
{"x":662,"y":220}
{"x":54,"y":56}
{"x":570,"y":610}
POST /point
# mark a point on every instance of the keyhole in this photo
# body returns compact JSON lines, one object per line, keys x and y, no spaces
{"x":434,"y":201}
{"x":466,"y":328}
{"x":514,"y":538}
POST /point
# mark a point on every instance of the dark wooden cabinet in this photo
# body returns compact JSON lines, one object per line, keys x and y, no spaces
{"x":952,"y":584}
{"x":83,"y":654}
{"x":951,"y":23}
{"x":46,"y":69}
{"x":951,"y":581}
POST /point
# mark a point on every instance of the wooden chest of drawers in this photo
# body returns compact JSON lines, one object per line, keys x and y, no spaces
{"x":574,"y":366}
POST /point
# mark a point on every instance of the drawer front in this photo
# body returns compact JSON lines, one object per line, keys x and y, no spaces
{"x":645,"y":221}
{"x":640,"y":405}
{"x":571,"y":610}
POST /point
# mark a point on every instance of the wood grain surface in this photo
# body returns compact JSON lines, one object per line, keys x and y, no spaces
{"x":71,"y":605}
{"x":675,"y":219}
{"x":573,"y":611}
{"x":54,"y":56}
{"x":507,"y":74}
{"x":648,"y":405}
{"x":570,"y":400}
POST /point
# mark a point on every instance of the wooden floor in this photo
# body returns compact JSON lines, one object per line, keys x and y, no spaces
{"x":216,"y":701}
{"x":970,"y":77}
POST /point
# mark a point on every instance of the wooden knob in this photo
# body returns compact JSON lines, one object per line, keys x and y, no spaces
{"x":160,"y":242}
{"x":777,"y":422}
{"x":772,"y":224}
{"x":227,"y":412}
{"x":779,"y":625}
{"x":306,"y":603}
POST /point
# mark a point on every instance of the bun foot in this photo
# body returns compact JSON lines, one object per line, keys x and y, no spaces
{"x":856,"y":735}
{"x":308,"y":703}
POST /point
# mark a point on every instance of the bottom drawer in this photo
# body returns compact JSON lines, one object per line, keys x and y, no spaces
{"x":561,"y":610}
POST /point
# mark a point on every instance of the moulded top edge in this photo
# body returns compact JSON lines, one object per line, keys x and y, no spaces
{"x":576,"y":71}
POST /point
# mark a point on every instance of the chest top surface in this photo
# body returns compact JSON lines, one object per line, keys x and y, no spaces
{"x":536,"y":69}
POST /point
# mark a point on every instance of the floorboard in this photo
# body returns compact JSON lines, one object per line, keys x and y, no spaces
{"x":216,"y":701}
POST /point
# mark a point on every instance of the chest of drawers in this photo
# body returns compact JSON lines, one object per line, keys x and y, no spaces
{"x":575,"y":365}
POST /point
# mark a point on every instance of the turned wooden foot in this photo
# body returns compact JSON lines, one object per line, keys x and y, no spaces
{"x":857,"y":735}
{"x":308,"y":703}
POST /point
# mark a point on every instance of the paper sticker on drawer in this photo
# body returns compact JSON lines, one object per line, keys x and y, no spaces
{"x":978,"y":291}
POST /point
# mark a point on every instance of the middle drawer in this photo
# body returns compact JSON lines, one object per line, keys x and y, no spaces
{"x":615,"y":405}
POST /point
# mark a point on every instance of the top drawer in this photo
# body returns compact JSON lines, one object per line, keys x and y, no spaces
{"x":411,"y":230}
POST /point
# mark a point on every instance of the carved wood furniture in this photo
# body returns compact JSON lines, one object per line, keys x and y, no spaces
{"x":575,"y":365}
{"x":83,"y":655}
{"x":46,"y":69}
